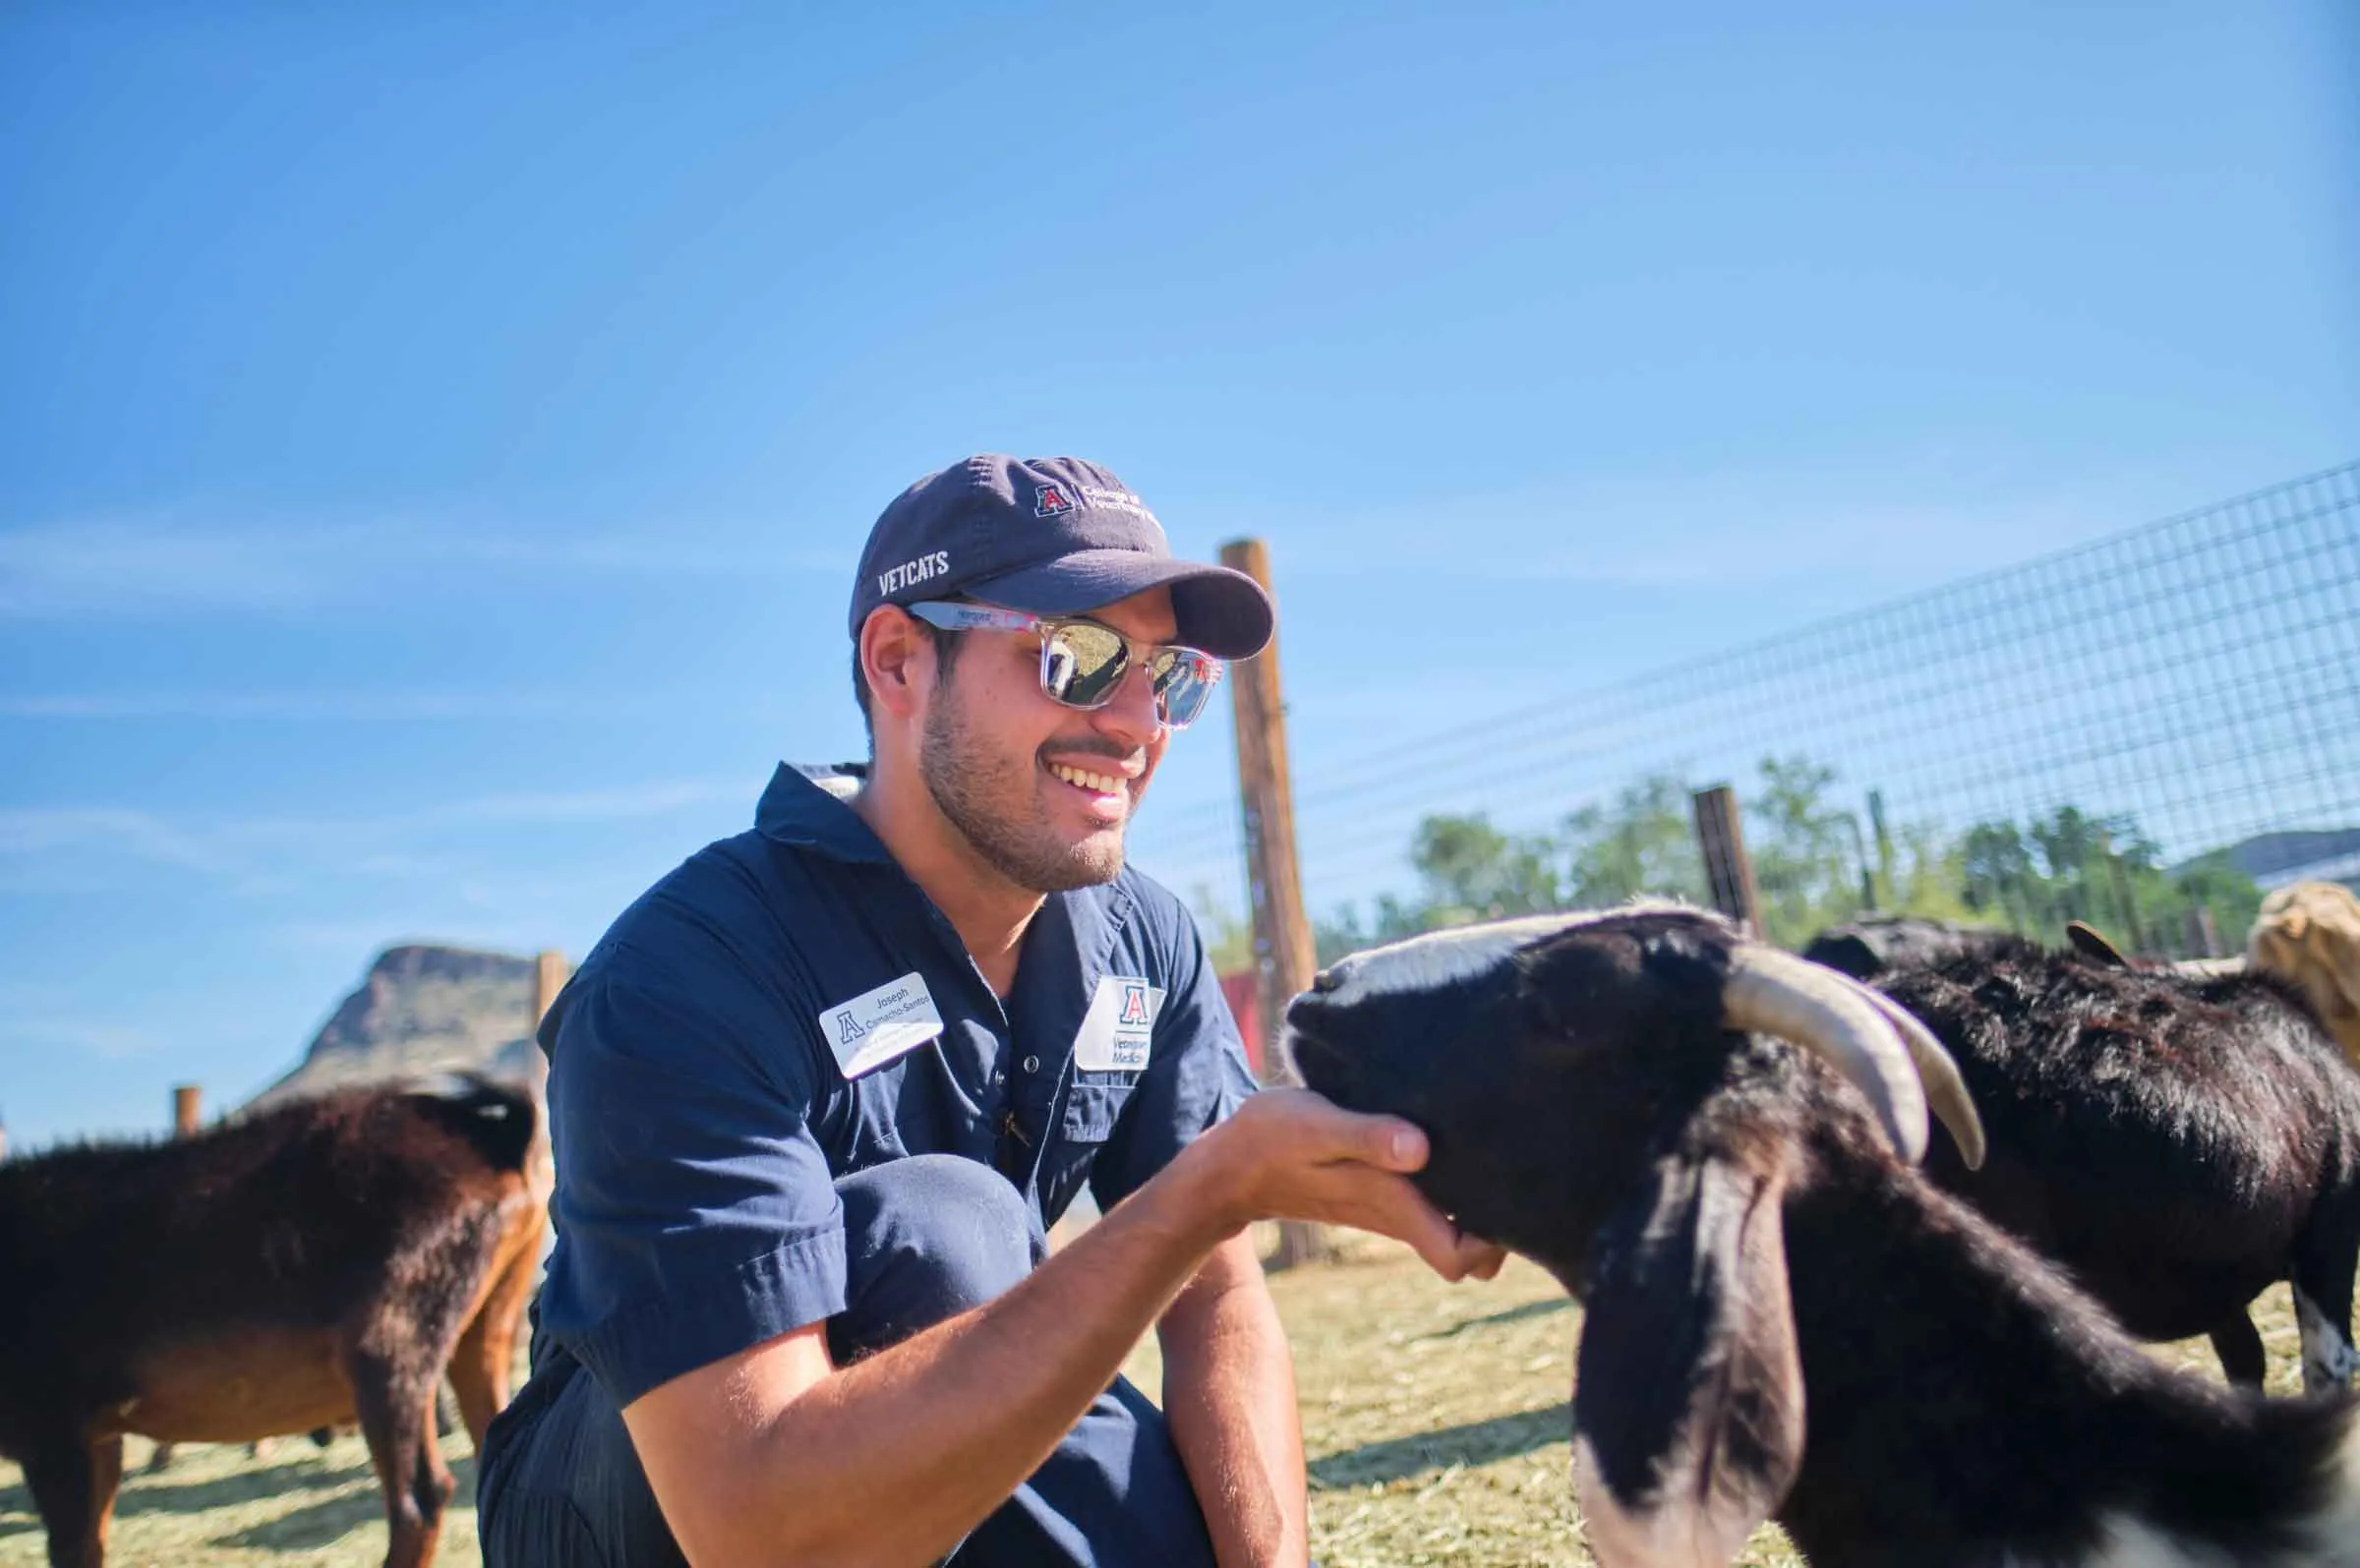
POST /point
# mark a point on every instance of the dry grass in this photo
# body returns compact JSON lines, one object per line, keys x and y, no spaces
{"x":1435,"y":1417}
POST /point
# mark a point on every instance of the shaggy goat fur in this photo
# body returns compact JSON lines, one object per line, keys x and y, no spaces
{"x":316,"y":1263}
{"x":1782,"y":1318}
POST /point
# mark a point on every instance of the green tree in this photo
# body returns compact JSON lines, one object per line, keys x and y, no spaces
{"x":1229,"y":937}
{"x":1810,"y":860}
{"x":1472,"y":871}
{"x":1806,"y":864}
{"x":2073,"y":865}
{"x":1642,"y":842}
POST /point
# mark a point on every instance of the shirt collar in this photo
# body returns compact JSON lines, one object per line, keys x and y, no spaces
{"x":796,"y":810}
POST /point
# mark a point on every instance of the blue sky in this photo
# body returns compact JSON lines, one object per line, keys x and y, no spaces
{"x":434,"y":440}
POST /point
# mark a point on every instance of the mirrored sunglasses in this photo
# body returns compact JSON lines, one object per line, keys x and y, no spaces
{"x":1083,"y":663}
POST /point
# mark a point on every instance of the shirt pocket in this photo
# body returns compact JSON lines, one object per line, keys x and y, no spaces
{"x":1094,"y":1104}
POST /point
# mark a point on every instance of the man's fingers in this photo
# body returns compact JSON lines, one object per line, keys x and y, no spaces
{"x":1484,"y":1258}
{"x":1449,"y":1251}
{"x":1313,"y":1125}
{"x":1396,"y":1208}
{"x":1396,"y":1145}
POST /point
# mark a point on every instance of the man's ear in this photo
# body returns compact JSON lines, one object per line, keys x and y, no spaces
{"x":1688,"y":1408}
{"x":896,"y":658}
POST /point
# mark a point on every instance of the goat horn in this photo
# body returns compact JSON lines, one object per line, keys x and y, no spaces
{"x":2209,"y":968}
{"x":1945,"y":1090}
{"x":1778,"y":993}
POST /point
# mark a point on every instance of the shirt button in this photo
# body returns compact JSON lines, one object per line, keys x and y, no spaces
{"x":998,"y":1078}
{"x":1031,"y":1064}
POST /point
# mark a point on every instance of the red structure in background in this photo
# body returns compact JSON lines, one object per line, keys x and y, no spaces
{"x":1243,"y":993}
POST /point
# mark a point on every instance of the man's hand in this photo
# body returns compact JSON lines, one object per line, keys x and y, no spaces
{"x":1291,"y":1154}
{"x":773,"y":1457}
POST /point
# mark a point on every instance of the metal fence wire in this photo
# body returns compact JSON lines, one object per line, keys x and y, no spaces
{"x":2199,"y":676}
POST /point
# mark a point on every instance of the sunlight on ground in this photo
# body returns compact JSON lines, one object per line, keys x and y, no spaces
{"x":1435,"y":1417}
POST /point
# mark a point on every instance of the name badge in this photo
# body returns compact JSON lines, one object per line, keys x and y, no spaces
{"x":1119,"y":1026}
{"x":877,"y":1027}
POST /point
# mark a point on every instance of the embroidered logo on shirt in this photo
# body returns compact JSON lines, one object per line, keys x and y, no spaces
{"x":876,"y":1027}
{"x":1119,"y":1028}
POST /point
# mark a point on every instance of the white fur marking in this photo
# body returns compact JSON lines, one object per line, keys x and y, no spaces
{"x":1439,"y":958}
{"x":2126,"y":1540}
{"x":1665,"y":1536}
{"x":2329,"y":1357}
{"x":2328,"y":1539}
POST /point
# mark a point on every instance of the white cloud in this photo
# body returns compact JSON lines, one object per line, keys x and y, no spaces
{"x":145,"y":566}
{"x":108,"y":1042}
{"x":168,"y":566}
{"x":337,"y":707}
{"x":29,"y":830}
{"x":269,"y":846}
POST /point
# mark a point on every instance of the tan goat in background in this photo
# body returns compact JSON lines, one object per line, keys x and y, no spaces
{"x":2309,"y":932}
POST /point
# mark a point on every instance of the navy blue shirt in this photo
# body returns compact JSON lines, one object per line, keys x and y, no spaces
{"x":788,"y":1007}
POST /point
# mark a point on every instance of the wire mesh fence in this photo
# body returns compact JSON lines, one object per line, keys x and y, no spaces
{"x":2196,"y":679}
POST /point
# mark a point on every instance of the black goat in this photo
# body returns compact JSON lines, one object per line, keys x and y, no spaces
{"x":1783,"y":1317}
{"x":321,"y":1262}
{"x":2179,"y":1143}
{"x":1870,"y":946}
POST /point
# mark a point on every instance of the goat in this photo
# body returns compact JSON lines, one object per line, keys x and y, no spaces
{"x":319,"y":1263}
{"x":1869,"y":945}
{"x":2179,"y":1142}
{"x":2309,"y":932}
{"x":1784,"y":1316}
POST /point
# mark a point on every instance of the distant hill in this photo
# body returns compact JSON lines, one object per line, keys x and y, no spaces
{"x":2330,"y":855}
{"x":422,"y":1009}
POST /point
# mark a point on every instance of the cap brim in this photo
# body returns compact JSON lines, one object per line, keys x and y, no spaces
{"x":1225,"y":613}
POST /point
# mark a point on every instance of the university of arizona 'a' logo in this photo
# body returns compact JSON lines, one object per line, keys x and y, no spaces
{"x":1135,"y":1004}
{"x":1051,"y":500}
{"x":848,"y":1027}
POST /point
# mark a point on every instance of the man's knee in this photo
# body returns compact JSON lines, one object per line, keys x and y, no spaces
{"x":926,"y":1238}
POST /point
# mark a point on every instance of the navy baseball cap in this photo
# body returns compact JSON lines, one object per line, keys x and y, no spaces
{"x":1050,"y":536}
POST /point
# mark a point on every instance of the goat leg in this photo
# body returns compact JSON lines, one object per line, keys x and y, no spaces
{"x":73,"y":1482}
{"x":2238,"y":1343}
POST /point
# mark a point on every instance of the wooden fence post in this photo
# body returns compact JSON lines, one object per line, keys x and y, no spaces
{"x":188,"y":1117}
{"x":551,"y":972}
{"x":2202,"y":933}
{"x":1284,"y":955}
{"x":1728,"y":869}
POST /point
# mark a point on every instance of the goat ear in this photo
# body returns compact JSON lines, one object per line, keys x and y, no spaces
{"x":2090,"y":943}
{"x":1687,"y":1411}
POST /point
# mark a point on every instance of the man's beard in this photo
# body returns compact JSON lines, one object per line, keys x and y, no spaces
{"x":965,"y":780}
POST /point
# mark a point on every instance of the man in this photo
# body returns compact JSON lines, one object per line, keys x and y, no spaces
{"x":818,"y":1094}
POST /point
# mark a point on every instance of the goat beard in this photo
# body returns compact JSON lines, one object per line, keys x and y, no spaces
{"x":974,"y":788}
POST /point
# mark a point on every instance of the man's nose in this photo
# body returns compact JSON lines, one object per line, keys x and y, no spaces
{"x":1130,"y":714}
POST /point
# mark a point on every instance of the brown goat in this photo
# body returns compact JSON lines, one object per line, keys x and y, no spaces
{"x":2310,"y":933}
{"x":320,"y":1263}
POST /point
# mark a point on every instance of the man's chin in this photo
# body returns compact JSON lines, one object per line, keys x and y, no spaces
{"x":1097,"y":860}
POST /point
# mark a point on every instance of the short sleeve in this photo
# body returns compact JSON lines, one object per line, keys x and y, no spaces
{"x":696,"y":1213}
{"x":1196,"y":1077}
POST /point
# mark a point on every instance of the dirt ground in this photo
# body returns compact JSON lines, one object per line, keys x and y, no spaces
{"x":1434,"y":1417}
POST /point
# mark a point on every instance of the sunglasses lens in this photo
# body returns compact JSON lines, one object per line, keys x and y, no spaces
{"x":1081,"y":664}
{"x":1184,"y":682}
